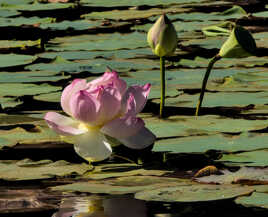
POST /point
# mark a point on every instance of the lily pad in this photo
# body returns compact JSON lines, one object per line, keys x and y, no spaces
{"x":31,"y":77}
{"x":12,"y":170}
{"x":121,"y":186}
{"x":134,"y":3}
{"x":8,"y":60}
{"x":255,"y":200}
{"x":214,"y":123}
{"x":194,"y":193}
{"x":19,"y":135}
{"x":122,"y":170}
{"x":190,"y":144}
{"x":114,"y":41}
{"x":132,"y":14}
{"x":243,"y":175}
{"x":252,"y":158}
{"x":20,"y":89}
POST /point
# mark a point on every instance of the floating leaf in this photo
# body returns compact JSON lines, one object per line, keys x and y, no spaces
{"x":8,"y":60}
{"x":22,"y":171}
{"x":122,"y":170}
{"x":194,"y":193}
{"x":255,"y":200}
{"x":252,"y":158}
{"x":196,"y":143}
{"x":244,"y":175}
{"x":121,"y":185}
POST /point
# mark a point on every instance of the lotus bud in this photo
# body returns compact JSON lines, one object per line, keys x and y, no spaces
{"x":162,"y":37}
{"x":239,"y":44}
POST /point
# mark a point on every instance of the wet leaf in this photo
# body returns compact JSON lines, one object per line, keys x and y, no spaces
{"x":196,"y":143}
{"x":121,"y":185}
{"x":245,"y":175}
{"x":35,"y":135}
{"x":132,"y":14}
{"x":252,"y":158}
{"x":122,"y":170}
{"x":22,"y":171}
{"x":194,"y":193}
{"x":8,"y":60}
{"x":255,"y":200}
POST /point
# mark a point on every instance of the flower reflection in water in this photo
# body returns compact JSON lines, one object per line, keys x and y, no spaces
{"x":95,"y":206}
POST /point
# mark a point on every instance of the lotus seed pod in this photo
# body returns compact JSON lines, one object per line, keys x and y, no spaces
{"x":162,"y":37}
{"x":239,"y":44}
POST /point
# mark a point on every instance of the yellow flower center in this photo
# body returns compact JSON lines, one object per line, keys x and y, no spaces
{"x":88,"y":127}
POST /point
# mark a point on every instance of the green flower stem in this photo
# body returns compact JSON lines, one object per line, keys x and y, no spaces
{"x":210,"y":65}
{"x":163,"y":85}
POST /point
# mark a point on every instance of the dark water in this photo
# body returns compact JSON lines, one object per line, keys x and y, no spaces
{"x":127,"y":206}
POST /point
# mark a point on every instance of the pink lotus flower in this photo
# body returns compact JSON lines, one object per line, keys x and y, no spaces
{"x":102,"y":111}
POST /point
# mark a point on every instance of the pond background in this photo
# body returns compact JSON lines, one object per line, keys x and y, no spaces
{"x":46,"y":45}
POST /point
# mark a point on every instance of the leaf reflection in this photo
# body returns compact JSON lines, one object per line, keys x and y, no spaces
{"x":95,"y":206}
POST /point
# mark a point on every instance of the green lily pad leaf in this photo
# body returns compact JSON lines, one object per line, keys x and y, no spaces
{"x":6,"y":120}
{"x":8,"y":92}
{"x":122,"y":185}
{"x":218,"y":29}
{"x":85,"y":55}
{"x":221,"y":99}
{"x":72,"y":55}
{"x":120,"y":65}
{"x":36,"y":6}
{"x":234,"y":10}
{"x":8,"y":60}
{"x":8,"y":13}
{"x":255,"y":200}
{"x":135,"y":2}
{"x":68,"y":25}
{"x":194,"y":193}
{"x":121,"y":170}
{"x":9,"y":102}
{"x":19,"y":135}
{"x":261,"y":14}
{"x":231,"y":13}
{"x":113,"y":41}
{"x":132,"y":14}
{"x":30,"y":77}
{"x":243,"y":175}
{"x":7,"y":44}
{"x":210,"y":43}
{"x":213,"y":123}
{"x":20,"y":89}
{"x":12,"y":170}
{"x":49,"y":97}
{"x":191,"y":144}
{"x":59,"y":64}
{"x":200,"y":62}
{"x":166,"y":128}
{"x":20,"y":21}
{"x":8,"y":3}
{"x":252,"y":158}
{"x":147,"y":180}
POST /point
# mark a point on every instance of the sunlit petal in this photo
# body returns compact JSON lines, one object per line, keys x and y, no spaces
{"x":63,"y":125}
{"x":92,"y":146}
{"x":84,"y":106}
{"x":110,"y":101}
{"x":76,"y":85}
{"x":109,"y":77}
